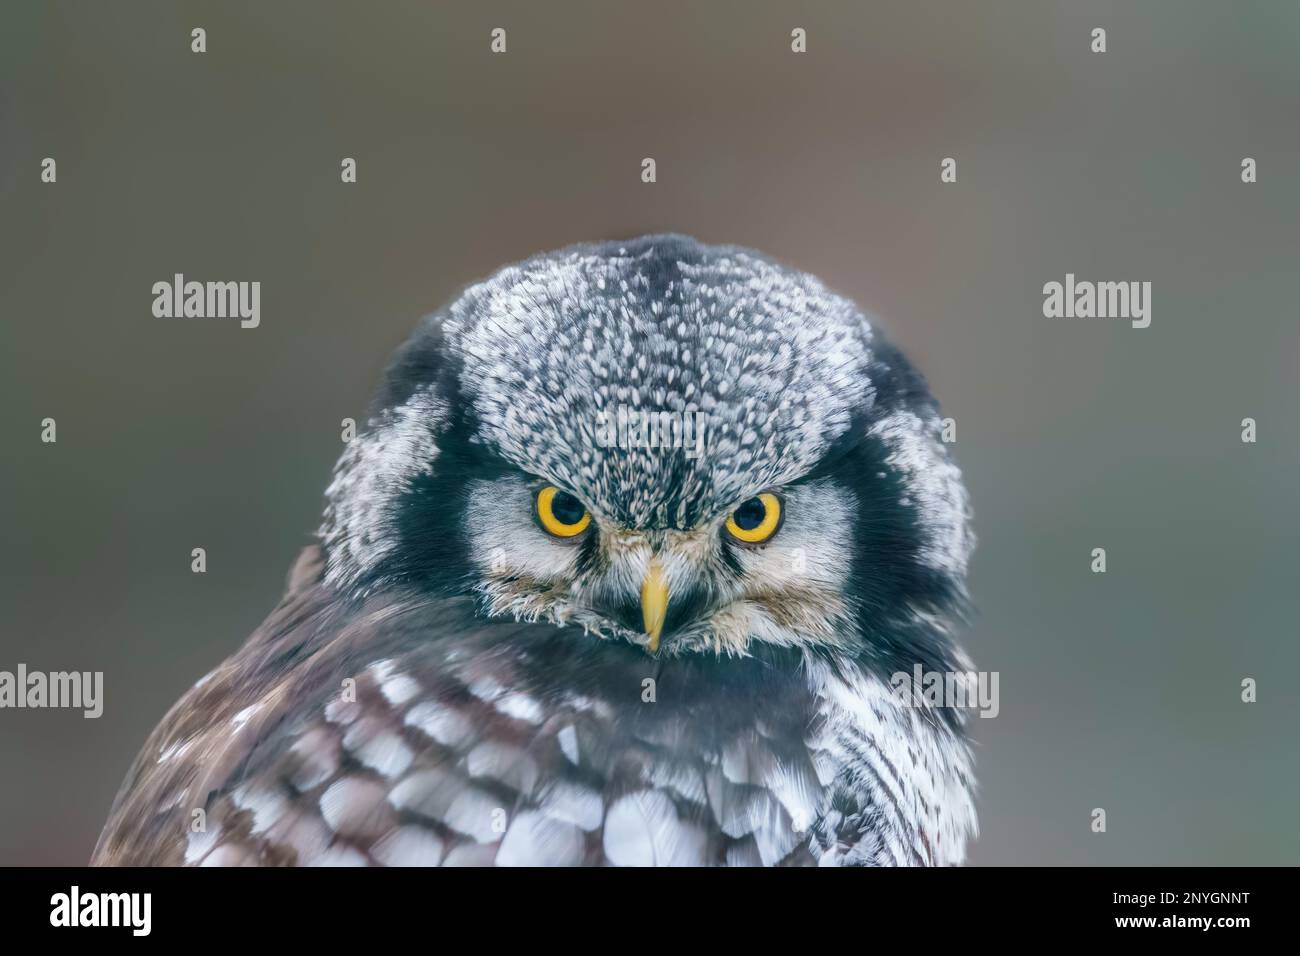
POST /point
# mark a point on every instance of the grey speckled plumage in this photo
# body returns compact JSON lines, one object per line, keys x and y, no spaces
{"x":446,"y":684}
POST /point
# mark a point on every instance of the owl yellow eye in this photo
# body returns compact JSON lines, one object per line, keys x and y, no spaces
{"x":755,"y":520}
{"x":560,"y":513}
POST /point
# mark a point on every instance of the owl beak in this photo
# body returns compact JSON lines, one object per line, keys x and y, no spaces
{"x":654,"y":602}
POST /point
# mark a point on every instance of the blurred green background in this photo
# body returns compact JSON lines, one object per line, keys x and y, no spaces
{"x":1118,"y":690}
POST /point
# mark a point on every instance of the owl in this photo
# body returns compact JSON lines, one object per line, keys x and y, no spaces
{"x":633,"y":564}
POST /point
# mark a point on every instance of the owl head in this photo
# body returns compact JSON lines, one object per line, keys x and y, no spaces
{"x":685,"y":447}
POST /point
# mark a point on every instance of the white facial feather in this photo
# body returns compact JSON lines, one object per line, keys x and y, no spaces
{"x":375,"y":470}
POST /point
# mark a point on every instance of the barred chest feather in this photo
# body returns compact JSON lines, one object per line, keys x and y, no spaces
{"x":403,"y":732}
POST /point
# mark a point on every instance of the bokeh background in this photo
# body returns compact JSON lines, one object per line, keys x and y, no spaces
{"x":1119,"y":690}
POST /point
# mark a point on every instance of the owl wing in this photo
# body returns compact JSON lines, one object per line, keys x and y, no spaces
{"x":406,"y":732}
